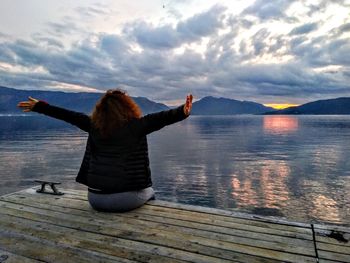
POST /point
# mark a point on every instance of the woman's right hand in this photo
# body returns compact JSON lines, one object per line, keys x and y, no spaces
{"x":28,"y":105}
{"x":188,"y":104}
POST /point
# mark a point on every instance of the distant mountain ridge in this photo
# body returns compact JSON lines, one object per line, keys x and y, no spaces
{"x":223,"y":106}
{"x":85,"y":101}
{"x":81,"y":101}
{"x":338,"y":106}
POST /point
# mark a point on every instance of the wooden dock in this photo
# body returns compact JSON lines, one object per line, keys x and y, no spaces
{"x":46,"y":228}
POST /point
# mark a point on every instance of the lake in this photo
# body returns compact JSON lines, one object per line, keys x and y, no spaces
{"x":297,"y":167}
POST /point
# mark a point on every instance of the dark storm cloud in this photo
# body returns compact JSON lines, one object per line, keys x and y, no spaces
{"x":114,"y":45}
{"x":258,"y":41}
{"x":164,"y":37}
{"x":265,"y":10}
{"x":321,"y":51}
{"x":6,"y":54}
{"x":168,"y":36}
{"x":280,"y":42}
{"x":21,"y":80}
{"x":79,"y":66}
{"x":339,"y":50}
{"x":343,"y":29}
{"x":287,"y":81}
{"x":28,"y":54}
{"x":304,"y":29}
{"x":288,"y":75}
{"x":322,"y":5}
{"x":203,"y":24}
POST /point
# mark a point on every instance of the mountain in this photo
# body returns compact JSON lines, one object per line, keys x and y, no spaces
{"x":85,"y":101}
{"x":82,"y":101}
{"x":321,"y":107}
{"x":223,"y":106}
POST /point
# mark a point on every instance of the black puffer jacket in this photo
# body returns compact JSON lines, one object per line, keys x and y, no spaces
{"x":120,"y":163}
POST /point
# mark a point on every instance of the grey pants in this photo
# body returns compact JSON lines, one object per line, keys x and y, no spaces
{"x":120,"y":202}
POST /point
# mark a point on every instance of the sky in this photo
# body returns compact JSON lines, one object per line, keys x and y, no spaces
{"x":276,"y":51}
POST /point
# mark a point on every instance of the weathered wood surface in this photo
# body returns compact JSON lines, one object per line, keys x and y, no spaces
{"x":333,"y":242}
{"x":36,"y":227}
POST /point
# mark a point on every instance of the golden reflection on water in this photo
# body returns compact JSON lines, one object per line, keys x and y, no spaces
{"x":268,"y":188}
{"x":243,"y":192}
{"x":325,"y":208}
{"x":273,"y":191}
{"x":280,"y":124}
{"x":321,"y":205}
{"x":273,"y":183}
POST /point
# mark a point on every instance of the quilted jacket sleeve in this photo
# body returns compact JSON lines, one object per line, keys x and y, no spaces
{"x":78,"y":119}
{"x":156,"y":121}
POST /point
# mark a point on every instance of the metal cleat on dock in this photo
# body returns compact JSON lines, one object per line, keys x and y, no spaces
{"x":43,"y":190}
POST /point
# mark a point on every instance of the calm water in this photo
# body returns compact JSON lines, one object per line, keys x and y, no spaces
{"x":297,"y":167}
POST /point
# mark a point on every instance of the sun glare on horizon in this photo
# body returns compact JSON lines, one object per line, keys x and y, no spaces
{"x":280,"y":106}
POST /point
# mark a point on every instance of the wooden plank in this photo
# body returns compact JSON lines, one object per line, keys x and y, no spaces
{"x":321,"y":260}
{"x":80,"y":193}
{"x":170,"y":219}
{"x":334,"y":256}
{"x":24,"y":191}
{"x":333,"y":248}
{"x":128,"y":239}
{"x":220,"y":233}
{"x":152,"y":219}
{"x":214,"y":214}
{"x":225,"y":252}
{"x":45,"y":251}
{"x":326,"y":236}
{"x":114,"y":220}
{"x":219,"y":219}
{"x":235,"y":214}
{"x":158,"y":237}
{"x":340,"y":228}
{"x":207,"y":210}
{"x":288,"y":245}
{"x":209,"y":222}
{"x":8,"y":257}
{"x":72,"y":238}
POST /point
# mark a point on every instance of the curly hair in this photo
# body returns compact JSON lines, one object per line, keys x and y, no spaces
{"x":114,"y":110}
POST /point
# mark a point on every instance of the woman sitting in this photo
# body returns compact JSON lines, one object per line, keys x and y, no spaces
{"x":115,"y":166}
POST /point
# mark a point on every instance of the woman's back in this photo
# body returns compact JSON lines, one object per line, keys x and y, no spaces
{"x":119,"y":163}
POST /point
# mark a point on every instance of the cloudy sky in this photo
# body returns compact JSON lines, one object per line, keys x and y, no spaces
{"x":276,"y":51}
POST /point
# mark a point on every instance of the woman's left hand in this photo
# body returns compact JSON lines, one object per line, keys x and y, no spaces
{"x":188,"y":104}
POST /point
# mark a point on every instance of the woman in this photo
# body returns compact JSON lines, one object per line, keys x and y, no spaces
{"x":115,"y":166}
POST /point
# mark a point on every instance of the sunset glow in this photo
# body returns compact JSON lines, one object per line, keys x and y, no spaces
{"x":280,"y":124}
{"x":280,"y":106}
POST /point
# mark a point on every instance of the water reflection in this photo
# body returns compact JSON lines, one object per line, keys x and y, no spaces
{"x":325,"y":208}
{"x":280,"y":124}
{"x":264,"y":186}
{"x":234,"y":162}
{"x":274,"y":176}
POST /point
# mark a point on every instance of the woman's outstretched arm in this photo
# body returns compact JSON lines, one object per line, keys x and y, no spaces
{"x":78,"y":119}
{"x":156,"y":121}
